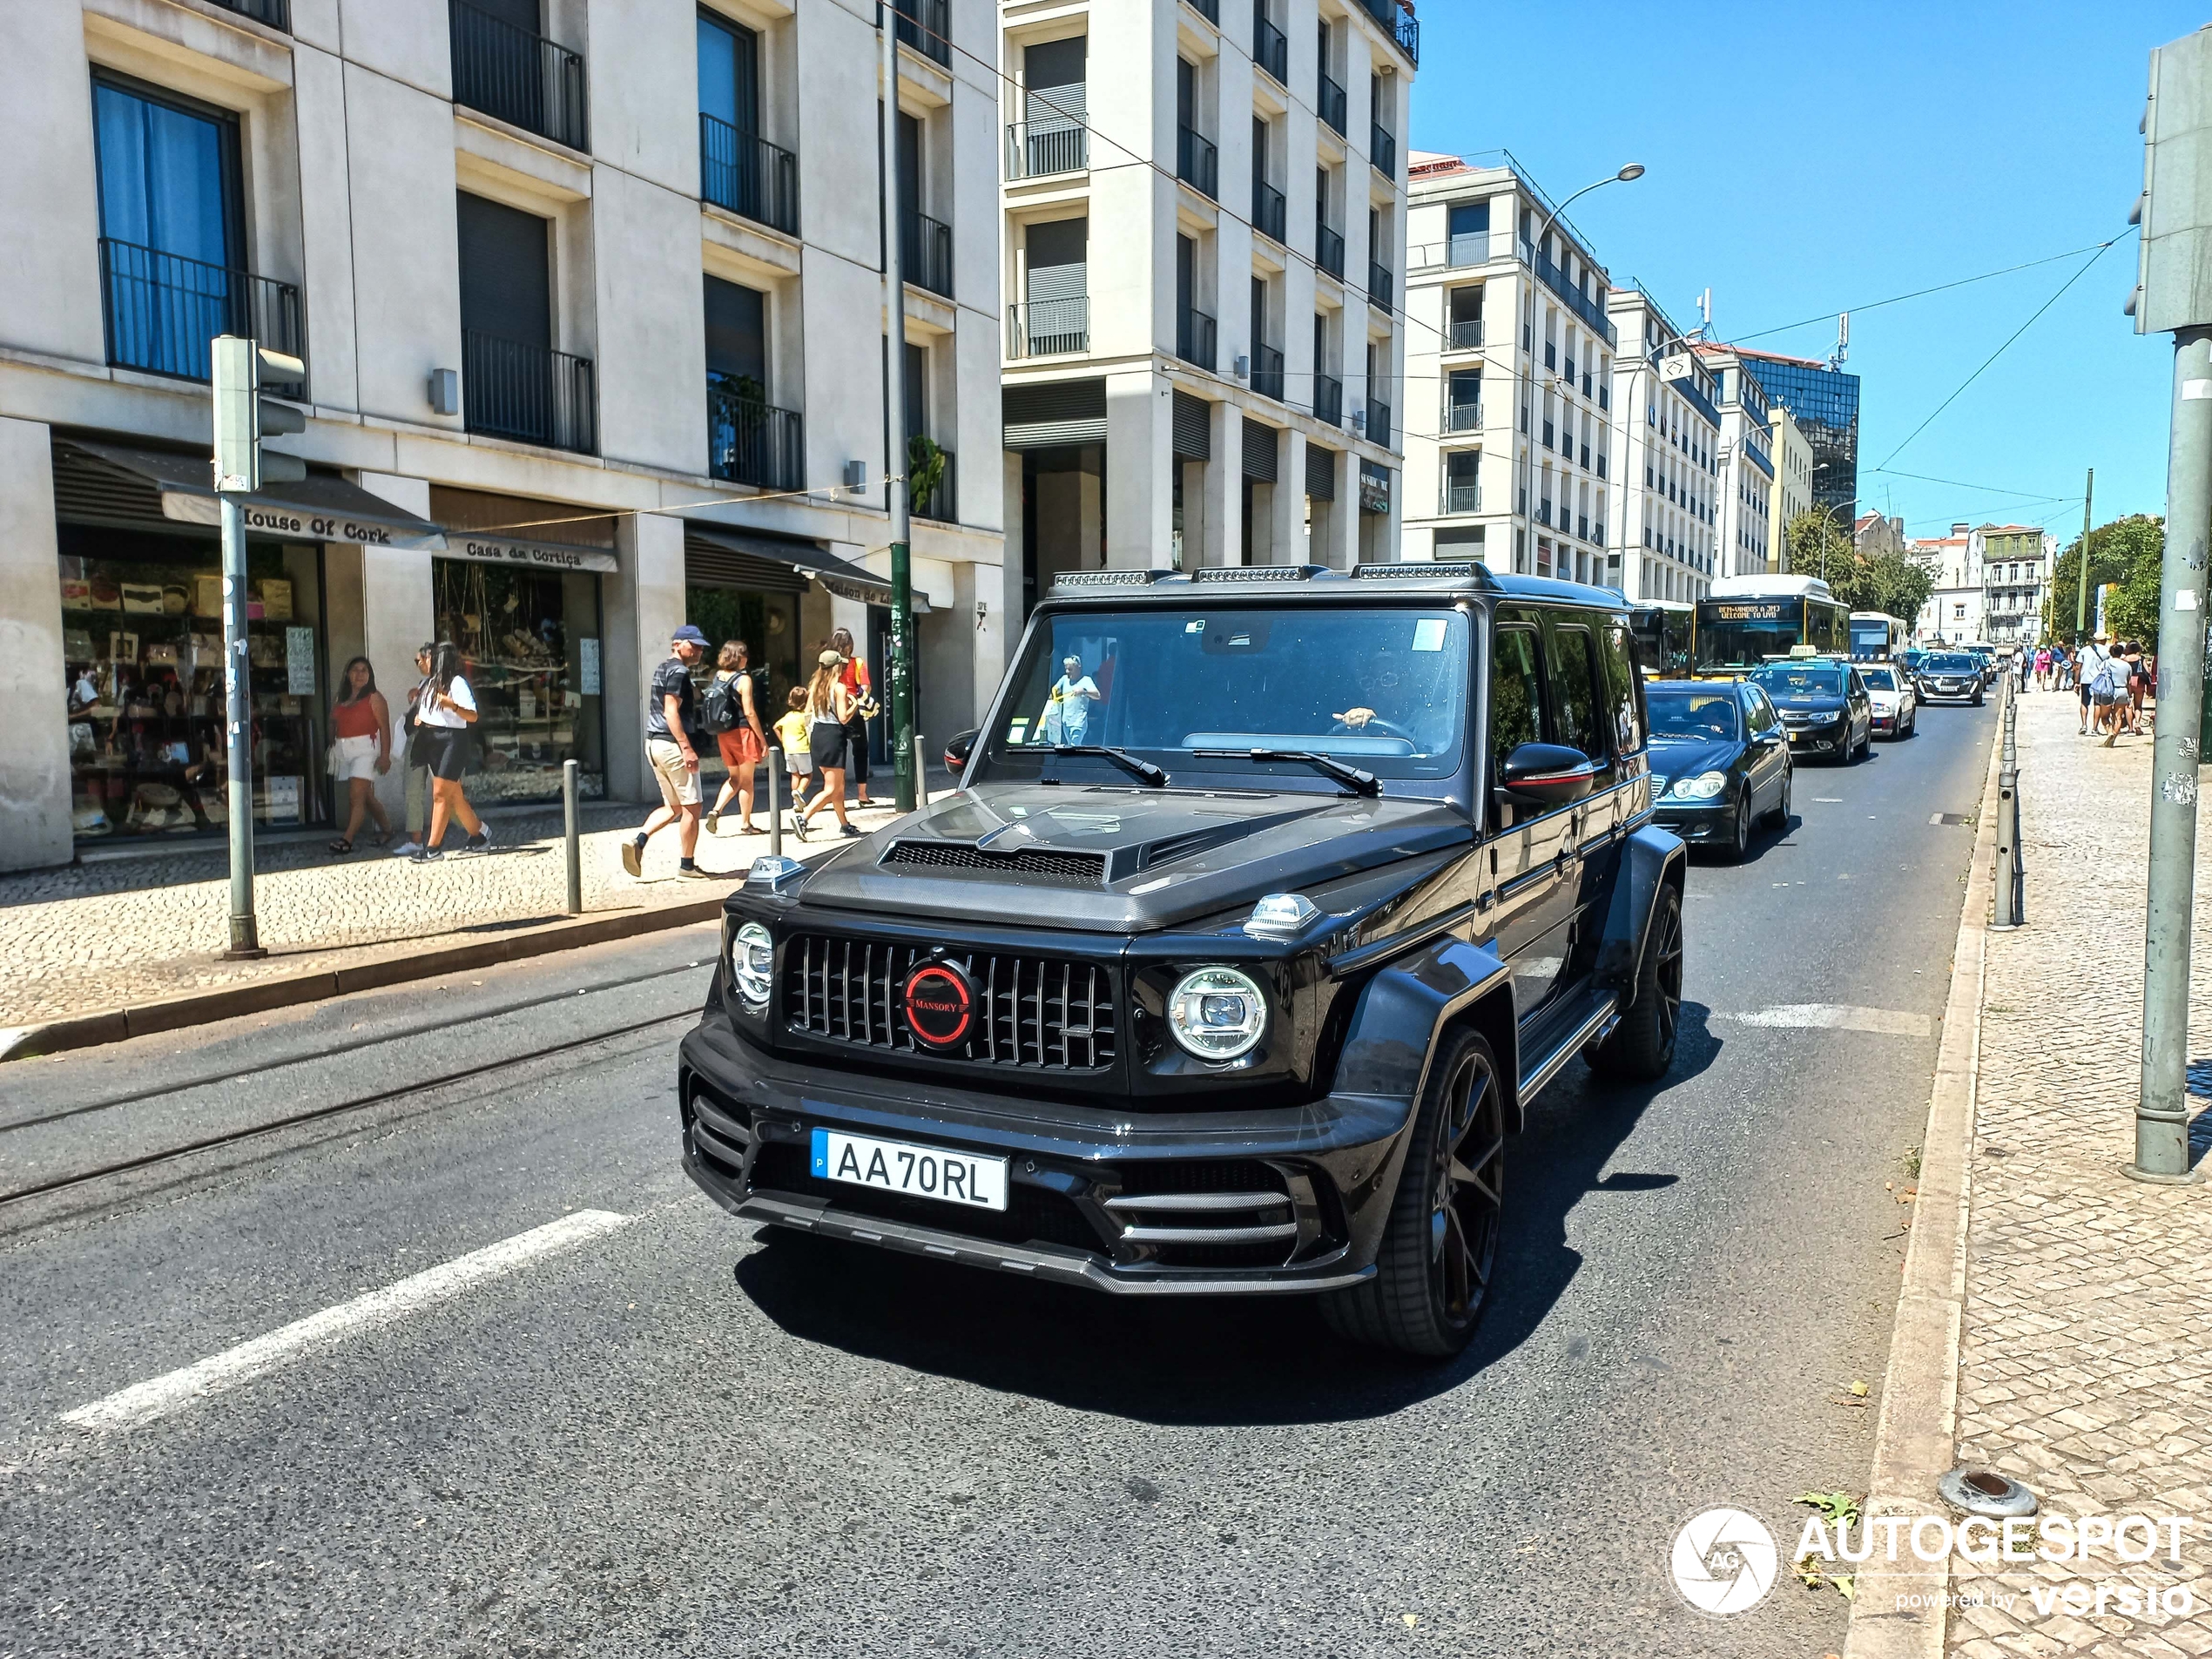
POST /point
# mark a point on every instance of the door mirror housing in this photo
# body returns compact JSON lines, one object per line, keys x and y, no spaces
{"x":958,"y":749}
{"x":1548,"y":774}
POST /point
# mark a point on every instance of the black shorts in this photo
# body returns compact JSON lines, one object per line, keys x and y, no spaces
{"x":826,"y":745}
{"x":449,"y":751}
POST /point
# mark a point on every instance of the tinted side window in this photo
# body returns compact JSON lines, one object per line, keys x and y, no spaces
{"x":1576,"y":718}
{"x":1760,"y":711}
{"x":1516,"y":692}
{"x":1624,"y":708}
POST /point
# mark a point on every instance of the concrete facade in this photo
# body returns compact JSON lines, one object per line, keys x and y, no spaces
{"x":1519,"y":463}
{"x":351,"y":148}
{"x":1990,"y":583}
{"x":1192,"y":377}
{"x":1791,"y":491}
{"x":1667,"y":425}
{"x":1745,"y":482}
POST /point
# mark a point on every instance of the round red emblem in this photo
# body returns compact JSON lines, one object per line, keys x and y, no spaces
{"x":940,"y":1004}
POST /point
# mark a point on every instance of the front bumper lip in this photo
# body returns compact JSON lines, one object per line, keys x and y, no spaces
{"x":1349,"y":1141}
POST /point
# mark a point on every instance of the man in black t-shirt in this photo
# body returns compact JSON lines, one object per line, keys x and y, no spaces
{"x":673,"y":743}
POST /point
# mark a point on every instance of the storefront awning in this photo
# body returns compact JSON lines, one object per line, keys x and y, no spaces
{"x":840,"y":576}
{"x":321,"y":508}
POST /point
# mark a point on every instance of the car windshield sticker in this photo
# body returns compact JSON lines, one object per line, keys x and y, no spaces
{"x":1196,"y":627}
{"x":1428,"y":634}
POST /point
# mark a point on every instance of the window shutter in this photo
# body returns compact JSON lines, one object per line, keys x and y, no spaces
{"x":1259,"y":451}
{"x":1320,"y":473}
{"x":1193,"y":428}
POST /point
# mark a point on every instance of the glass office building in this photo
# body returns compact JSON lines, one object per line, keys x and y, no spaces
{"x":1824,"y":401}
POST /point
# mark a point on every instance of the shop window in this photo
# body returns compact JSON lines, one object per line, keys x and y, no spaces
{"x":142,"y":640}
{"x":530,"y":642}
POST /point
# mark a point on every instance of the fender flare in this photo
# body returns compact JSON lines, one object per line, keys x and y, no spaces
{"x":1403,"y":1010}
{"x":1651,"y":858}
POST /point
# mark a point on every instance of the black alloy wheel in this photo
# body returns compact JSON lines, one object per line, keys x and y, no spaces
{"x":1641,"y":1047}
{"x":1739,"y":837}
{"x":1438,"y":1257}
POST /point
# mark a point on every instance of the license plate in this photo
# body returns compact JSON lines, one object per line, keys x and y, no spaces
{"x":918,"y":1171}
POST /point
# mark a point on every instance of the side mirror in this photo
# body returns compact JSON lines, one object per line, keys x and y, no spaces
{"x":1549,"y":774}
{"x":958,"y":749}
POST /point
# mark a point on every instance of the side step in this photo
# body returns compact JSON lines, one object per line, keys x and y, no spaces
{"x":1594,"y":1028}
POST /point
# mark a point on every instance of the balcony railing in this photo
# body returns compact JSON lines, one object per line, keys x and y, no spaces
{"x":1048,"y":327}
{"x":1591,"y":311}
{"x":1378,"y":423}
{"x":1328,"y":251}
{"x":275,"y":13}
{"x":162,"y":309}
{"x":518,"y":76}
{"x":1460,"y":496}
{"x":1328,"y":399}
{"x":1465,"y":333}
{"x":1194,"y":338}
{"x":748,"y":441}
{"x":1209,"y":9}
{"x":1271,"y":51}
{"x":1461,"y":413}
{"x":1405,"y":30}
{"x":926,"y":253}
{"x":748,"y":175}
{"x":1382,"y":151}
{"x":1196,"y":163}
{"x":533,"y":394}
{"x":1329,"y":103}
{"x":942,"y":503}
{"x":925,"y":26}
{"x":1038,"y":149}
{"x":1267,"y":372}
{"x":1380,"y":283}
{"x":1270,"y":212}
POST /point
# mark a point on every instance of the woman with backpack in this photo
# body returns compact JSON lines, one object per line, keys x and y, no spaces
{"x":2108,"y":694}
{"x":729,"y":712}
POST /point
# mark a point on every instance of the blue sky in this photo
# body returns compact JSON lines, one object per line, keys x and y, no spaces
{"x":1804,"y":160}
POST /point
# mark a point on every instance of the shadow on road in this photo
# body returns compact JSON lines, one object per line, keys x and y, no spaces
{"x":1231,"y":1361}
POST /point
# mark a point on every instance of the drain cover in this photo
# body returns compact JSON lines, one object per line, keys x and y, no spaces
{"x":1985,"y":1491}
{"x":1947,"y":817}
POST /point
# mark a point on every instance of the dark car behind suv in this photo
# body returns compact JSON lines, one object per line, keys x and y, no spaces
{"x":1823,"y":706}
{"x":1950,"y":676}
{"x":1270,"y":899}
{"x":1719,"y":762}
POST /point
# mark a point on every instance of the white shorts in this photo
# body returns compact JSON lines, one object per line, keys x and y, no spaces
{"x":356,"y":757}
{"x":680,"y":783}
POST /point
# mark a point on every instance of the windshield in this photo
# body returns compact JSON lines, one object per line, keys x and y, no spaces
{"x":1699,"y":716}
{"x":1879,"y":679}
{"x":1381,"y":689}
{"x":1732,"y":636}
{"x":1950,"y":662}
{"x":1869,"y":637}
{"x":1783,"y":683}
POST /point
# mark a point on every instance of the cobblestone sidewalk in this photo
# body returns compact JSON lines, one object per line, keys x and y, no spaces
{"x":91,"y":937}
{"x":2086,"y":1360}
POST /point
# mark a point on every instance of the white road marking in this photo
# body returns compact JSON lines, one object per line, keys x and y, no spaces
{"x":1827,"y":800}
{"x":1835,"y":1016}
{"x":142,"y":1403}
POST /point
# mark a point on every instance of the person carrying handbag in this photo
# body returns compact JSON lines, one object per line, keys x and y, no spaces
{"x":413,"y":754}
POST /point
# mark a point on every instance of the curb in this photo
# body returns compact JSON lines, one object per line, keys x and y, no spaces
{"x":287,"y":990}
{"x":1915,"y":1436}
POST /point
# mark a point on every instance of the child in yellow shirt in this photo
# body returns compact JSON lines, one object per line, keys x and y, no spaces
{"x":792,"y":732}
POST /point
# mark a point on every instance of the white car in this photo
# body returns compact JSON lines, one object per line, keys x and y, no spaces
{"x":1897,"y":706}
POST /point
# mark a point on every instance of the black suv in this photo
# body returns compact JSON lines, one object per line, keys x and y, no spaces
{"x":1270,"y":898}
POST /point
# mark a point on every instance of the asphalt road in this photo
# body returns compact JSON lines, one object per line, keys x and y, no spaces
{"x":665,"y":1435}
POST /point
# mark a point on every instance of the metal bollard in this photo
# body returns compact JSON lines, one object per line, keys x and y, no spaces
{"x":573,"y":836}
{"x":775,"y":806}
{"x":2008,"y":870}
{"x":921,"y":772}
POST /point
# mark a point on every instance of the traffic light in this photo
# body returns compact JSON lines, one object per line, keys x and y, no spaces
{"x":2174,"y":263}
{"x":244,"y":417}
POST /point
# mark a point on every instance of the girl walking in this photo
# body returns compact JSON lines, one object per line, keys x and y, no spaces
{"x":744,"y":745}
{"x":360,"y":727}
{"x":829,"y":710}
{"x":442,"y":717}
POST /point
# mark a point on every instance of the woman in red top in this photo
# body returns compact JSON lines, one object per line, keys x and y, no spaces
{"x":360,"y":750}
{"x":853,"y":677}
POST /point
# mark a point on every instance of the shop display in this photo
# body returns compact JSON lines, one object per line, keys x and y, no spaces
{"x":525,"y":637}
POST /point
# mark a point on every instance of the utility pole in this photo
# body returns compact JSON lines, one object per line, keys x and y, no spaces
{"x":242,"y":419}
{"x":894,"y":391}
{"x":2081,"y":563}
{"x":2176,"y":217}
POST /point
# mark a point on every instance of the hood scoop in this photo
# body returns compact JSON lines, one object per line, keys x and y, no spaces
{"x":1026,"y":862}
{"x":1021,"y":850}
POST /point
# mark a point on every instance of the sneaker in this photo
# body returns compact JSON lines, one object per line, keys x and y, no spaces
{"x":692,"y":874}
{"x":633,"y":858}
{"x":408,"y":848}
{"x":425,"y":855}
{"x":480,"y":842}
{"x":799,"y":827}
{"x":850,"y":829}
{"x":714,"y":823}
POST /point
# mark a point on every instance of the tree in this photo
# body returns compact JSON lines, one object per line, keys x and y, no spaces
{"x":2129,"y":552}
{"x":1817,"y":547}
{"x":1886,"y":583}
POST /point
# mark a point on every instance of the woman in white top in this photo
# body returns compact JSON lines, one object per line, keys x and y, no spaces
{"x":447,"y":709}
{"x":829,"y":710}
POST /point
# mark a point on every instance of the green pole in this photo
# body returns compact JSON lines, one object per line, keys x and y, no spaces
{"x":2081,"y":564}
{"x":896,"y":495}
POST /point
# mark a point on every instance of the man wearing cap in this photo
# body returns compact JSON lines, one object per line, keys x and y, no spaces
{"x":672,"y":741}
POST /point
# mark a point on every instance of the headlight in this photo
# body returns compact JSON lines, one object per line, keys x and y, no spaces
{"x":752,"y":963}
{"x":1703,"y":787}
{"x":1217,"y":1013}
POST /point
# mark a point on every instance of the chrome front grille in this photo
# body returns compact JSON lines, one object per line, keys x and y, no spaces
{"x":1039,"y":1012}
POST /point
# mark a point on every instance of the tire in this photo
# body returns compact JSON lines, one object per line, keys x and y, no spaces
{"x":1977,"y":700}
{"x":1439,"y":1258}
{"x":1641,"y":1047}
{"x":1779,"y":818}
{"x":1739,"y":843}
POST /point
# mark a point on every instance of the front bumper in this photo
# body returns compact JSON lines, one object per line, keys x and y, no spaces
{"x":1828,"y":738}
{"x":1082,"y":1180}
{"x":1697,"y":820}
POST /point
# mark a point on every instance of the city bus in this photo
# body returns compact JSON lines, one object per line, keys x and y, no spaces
{"x":1876,"y":635}
{"x":1662,"y":630}
{"x":1745,"y":620}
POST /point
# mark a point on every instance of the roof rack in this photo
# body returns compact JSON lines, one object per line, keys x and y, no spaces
{"x":1415,"y":571}
{"x":1259,"y":572}
{"x":1125,"y":578}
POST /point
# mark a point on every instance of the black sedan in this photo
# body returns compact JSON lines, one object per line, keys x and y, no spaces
{"x":1824,"y":704}
{"x":1718,"y":760}
{"x":1950,"y":676}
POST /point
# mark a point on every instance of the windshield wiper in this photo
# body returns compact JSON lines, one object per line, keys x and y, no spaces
{"x":1144,"y":769}
{"x":1358,"y":780}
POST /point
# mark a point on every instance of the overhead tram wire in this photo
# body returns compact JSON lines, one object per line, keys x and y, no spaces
{"x":1921,"y":293}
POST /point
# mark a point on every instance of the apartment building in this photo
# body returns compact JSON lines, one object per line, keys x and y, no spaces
{"x":1746,"y":477}
{"x":1876,"y":537}
{"x":1203,"y":244}
{"x":1791,"y":491}
{"x":1823,"y":401}
{"x":1991,"y":580}
{"x":1667,"y":422}
{"x":591,"y":299}
{"x":1510,"y":378}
